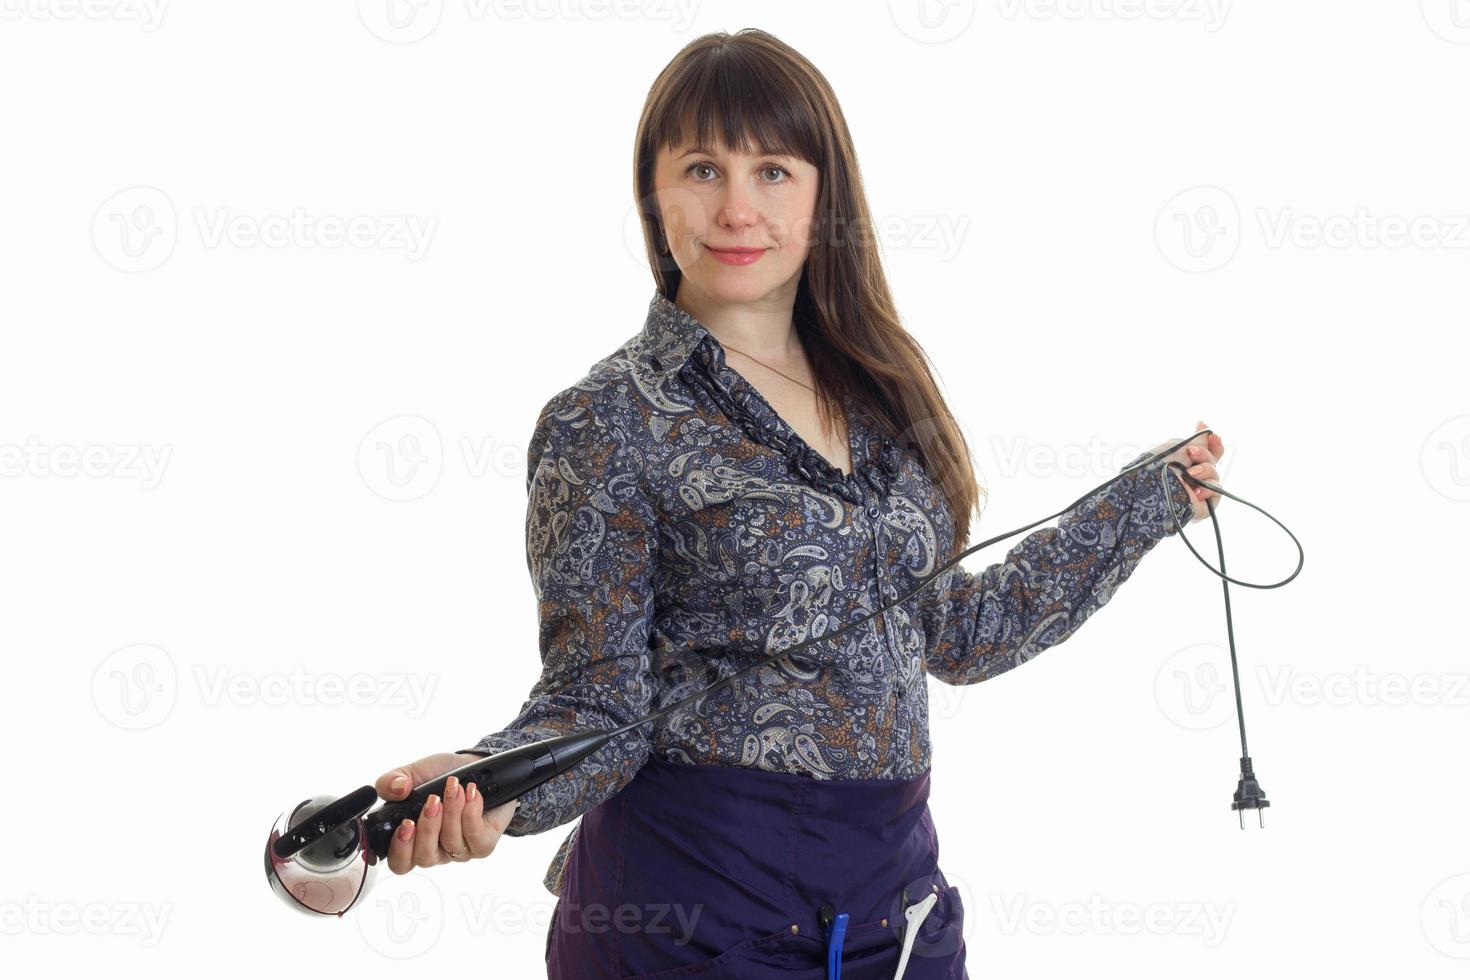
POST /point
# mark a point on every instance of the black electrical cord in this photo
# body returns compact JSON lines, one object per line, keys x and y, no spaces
{"x":505,"y":775}
{"x":1248,"y":794}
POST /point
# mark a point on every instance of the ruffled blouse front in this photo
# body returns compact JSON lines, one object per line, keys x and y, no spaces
{"x":875,"y":457}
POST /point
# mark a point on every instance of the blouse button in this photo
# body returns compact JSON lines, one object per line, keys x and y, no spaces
{"x":874,"y":510}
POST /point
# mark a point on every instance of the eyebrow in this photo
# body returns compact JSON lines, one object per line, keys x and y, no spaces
{"x":709,"y":152}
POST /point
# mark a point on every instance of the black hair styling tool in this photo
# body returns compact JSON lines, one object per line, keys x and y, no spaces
{"x":322,"y":854}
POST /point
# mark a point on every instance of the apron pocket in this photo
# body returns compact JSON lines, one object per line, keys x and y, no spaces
{"x":939,"y":946}
{"x":792,"y":954}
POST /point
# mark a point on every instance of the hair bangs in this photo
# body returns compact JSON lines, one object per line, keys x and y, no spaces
{"x":737,"y":98}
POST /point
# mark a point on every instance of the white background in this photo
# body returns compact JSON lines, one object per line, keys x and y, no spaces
{"x":1104,"y":220}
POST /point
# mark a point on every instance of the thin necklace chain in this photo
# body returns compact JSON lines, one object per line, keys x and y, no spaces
{"x":769,"y":368}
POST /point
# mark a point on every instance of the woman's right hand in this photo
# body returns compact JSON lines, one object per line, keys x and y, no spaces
{"x":456,"y":828}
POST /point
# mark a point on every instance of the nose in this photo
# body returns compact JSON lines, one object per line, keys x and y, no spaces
{"x":737,"y":207}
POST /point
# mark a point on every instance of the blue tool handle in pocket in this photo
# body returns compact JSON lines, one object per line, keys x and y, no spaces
{"x":835,"y":935}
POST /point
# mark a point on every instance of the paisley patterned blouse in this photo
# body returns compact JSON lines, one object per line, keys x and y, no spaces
{"x":677,"y":529}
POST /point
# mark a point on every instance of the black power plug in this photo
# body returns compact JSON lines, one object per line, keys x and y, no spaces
{"x":1249,"y":795}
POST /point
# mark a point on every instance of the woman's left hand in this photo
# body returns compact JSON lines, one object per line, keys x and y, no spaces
{"x":1200,"y":462}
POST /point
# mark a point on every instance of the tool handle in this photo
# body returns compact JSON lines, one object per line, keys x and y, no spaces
{"x":500,"y":777}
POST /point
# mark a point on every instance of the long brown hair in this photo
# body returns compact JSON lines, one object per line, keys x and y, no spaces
{"x":760,"y":91}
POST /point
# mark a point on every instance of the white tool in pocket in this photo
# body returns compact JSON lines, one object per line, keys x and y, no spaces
{"x":913,"y":915}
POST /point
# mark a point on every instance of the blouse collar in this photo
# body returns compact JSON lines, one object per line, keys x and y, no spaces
{"x":673,"y":337}
{"x":670,"y":334}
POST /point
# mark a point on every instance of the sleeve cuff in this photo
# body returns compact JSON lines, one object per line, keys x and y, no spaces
{"x":526,"y":819}
{"x":1151,"y":501}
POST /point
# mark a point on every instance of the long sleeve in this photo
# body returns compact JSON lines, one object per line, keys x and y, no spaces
{"x":590,"y":544}
{"x":979,"y":626}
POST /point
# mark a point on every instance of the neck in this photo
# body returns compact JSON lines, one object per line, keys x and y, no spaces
{"x":762,"y":328}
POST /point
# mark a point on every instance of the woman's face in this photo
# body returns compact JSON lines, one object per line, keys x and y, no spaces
{"x":714,"y":203}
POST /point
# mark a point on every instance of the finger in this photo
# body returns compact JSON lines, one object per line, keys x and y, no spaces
{"x":394,"y":784}
{"x":400,"y":848}
{"x":1216,"y":446}
{"x":451,"y":837}
{"x":1199,"y":454}
{"x":1207,"y":472}
{"x":426,"y":838}
{"x":479,"y":836}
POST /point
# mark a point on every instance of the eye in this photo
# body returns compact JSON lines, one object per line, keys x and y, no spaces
{"x":767,"y":169}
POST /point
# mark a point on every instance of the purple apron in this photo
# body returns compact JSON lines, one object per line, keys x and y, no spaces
{"x":722,"y":871}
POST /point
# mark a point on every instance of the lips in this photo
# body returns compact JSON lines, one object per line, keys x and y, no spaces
{"x":740,"y":255}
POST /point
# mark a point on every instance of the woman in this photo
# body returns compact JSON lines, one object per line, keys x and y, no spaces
{"x":767,"y":459}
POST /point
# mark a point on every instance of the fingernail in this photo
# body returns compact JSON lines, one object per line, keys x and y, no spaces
{"x":471,"y":791}
{"x":432,"y":810}
{"x":405,"y":830}
{"x":398,"y":783}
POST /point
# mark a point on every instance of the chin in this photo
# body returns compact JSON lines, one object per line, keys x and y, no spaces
{"x":738,"y":285}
